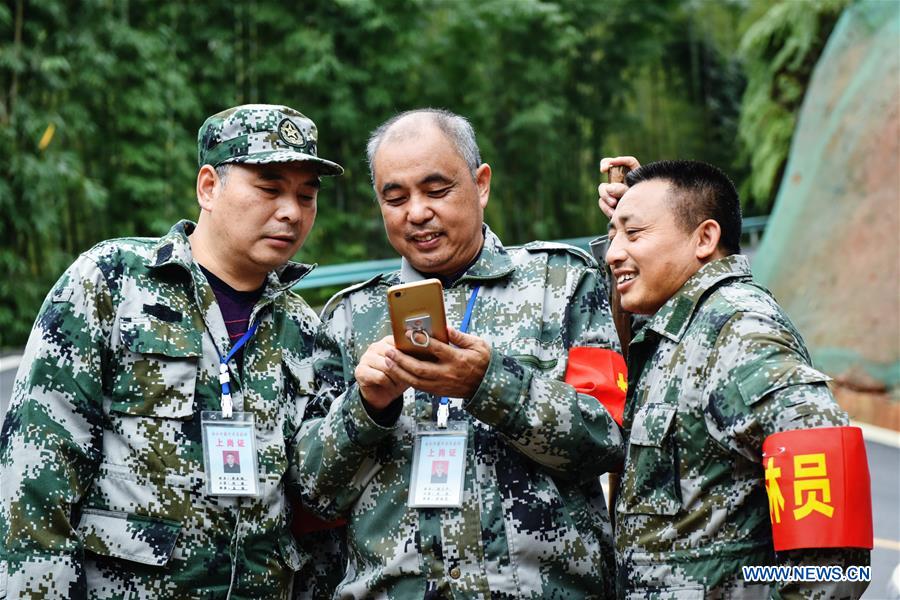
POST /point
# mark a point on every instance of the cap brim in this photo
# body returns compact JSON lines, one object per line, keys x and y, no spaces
{"x":326,"y":167}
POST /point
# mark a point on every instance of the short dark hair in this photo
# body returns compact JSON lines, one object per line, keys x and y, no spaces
{"x":698,"y":191}
{"x":222,"y":171}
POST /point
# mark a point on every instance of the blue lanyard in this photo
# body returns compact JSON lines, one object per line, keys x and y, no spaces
{"x":467,"y":317}
{"x":464,"y":328}
{"x":224,"y":377}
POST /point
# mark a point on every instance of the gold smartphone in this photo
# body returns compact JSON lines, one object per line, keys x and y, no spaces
{"x":417,"y":308}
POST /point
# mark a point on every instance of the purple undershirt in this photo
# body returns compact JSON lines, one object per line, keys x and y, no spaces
{"x":236,"y":307}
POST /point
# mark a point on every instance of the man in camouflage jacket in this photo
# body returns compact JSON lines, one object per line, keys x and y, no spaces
{"x":716,"y":368}
{"x":103,"y":487}
{"x":533,"y":523}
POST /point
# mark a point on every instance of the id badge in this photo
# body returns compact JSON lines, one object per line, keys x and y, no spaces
{"x":229,"y":453}
{"x":438,"y":466}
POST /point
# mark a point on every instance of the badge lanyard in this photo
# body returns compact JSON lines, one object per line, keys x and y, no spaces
{"x":224,"y":377}
{"x":443,"y":412}
{"x":229,"y":439}
{"x":437,"y":477}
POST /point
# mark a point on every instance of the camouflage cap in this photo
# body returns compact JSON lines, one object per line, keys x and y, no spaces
{"x":259,"y":134}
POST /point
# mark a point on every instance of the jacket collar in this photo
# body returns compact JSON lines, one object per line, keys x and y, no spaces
{"x":673,"y":318}
{"x":174,"y":248}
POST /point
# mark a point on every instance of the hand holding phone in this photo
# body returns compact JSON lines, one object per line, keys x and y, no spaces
{"x":377,"y":386}
{"x":417,"y":316}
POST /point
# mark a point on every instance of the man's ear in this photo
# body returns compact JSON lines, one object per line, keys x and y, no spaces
{"x":483,"y":183}
{"x":708,"y":234}
{"x":207,"y":182}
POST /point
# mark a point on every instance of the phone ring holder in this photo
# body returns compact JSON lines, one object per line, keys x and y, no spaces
{"x":421,"y":344}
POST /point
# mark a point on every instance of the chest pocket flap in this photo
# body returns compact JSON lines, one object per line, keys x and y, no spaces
{"x":651,"y":424}
{"x":144,"y":540}
{"x":300,"y":373}
{"x":147,"y":335}
{"x":157,"y":371}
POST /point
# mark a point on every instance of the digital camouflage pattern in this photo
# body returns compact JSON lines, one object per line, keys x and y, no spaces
{"x":100,"y":453}
{"x":258,"y":134}
{"x":713,"y":373}
{"x":533,"y":522}
{"x":325,"y":557}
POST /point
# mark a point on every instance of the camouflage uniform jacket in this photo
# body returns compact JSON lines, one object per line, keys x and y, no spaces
{"x":100,"y":455}
{"x":533,"y":522}
{"x":713,"y":373}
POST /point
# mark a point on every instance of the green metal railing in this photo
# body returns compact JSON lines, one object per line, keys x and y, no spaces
{"x":349,"y":273}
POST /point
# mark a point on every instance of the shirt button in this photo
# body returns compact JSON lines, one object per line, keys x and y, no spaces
{"x":454,"y":572}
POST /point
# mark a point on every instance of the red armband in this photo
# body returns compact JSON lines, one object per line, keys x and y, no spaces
{"x":303,"y":521}
{"x":601,"y":373}
{"x":817,"y":481}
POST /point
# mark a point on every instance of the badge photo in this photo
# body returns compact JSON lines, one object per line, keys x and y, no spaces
{"x":439,"y":466}
{"x":229,"y":454}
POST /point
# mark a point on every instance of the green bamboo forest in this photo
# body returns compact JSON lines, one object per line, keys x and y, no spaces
{"x":100,"y":102}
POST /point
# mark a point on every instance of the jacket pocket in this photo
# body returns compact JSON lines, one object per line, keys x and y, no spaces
{"x":157,"y":371}
{"x":140,"y":539}
{"x":299,"y":375}
{"x":650,"y":485}
{"x":292,"y":399}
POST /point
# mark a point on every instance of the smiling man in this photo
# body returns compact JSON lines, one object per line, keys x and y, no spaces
{"x":716,"y":369}
{"x":526,"y":388}
{"x":150,"y":357}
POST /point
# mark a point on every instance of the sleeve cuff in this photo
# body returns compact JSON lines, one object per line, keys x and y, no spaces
{"x":387,"y":416}
{"x":361,"y":428}
{"x":498,"y":397}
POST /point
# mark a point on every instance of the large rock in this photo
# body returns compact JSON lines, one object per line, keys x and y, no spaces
{"x":831,"y":252}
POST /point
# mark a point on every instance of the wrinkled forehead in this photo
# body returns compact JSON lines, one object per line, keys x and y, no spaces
{"x":411,"y":160}
{"x":416,"y":136}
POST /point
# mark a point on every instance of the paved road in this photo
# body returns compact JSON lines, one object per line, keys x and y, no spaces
{"x":884,"y":464}
{"x":884,"y":467}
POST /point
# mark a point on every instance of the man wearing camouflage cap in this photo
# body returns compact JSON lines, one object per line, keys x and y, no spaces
{"x":525,"y":390}
{"x":735,"y":445}
{"x":113,"y":483}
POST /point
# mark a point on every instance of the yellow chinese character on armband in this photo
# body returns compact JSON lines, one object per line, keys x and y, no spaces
{"x":811,"y":469}
{"x":776,"y":498}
